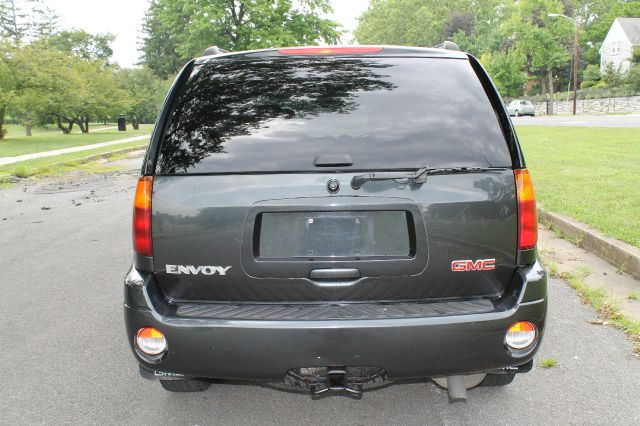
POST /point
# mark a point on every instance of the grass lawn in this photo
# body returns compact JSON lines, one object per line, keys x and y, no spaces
{"x":16,"y":143}
{"x":589,"y":173}
{"x":60,"y":163}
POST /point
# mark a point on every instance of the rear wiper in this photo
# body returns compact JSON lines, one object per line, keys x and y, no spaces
{"x":454,"y":170}
{"x":417,"y":177}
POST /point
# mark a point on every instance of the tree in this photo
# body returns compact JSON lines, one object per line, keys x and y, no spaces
{"x":18,"y":86}
{"x":67,"y":89}
{"x":87,"y":89}
{"x":177,"y":30}
{"x":506,"y":72}
{"x":6,"y":81}
{"x":26,"y":20}
{"x":420,"y":23}
{"x":146,"y":91}
{"x":20,"y":21}
{"x":542,"y":41}
{"x":87,"y":46}
{"x":403,"y":22}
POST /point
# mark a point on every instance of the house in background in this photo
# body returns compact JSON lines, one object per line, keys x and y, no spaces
{"x":617,"y":47}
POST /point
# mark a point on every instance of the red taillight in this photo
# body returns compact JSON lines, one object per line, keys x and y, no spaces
{"x":336,"y":50}
{"x":142,"y":217}
{"x":527,"y":214}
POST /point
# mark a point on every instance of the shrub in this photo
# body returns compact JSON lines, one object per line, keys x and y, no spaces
{"x":591,"y":76}
{"x":612,"y":77}
{"x":633,"y":77}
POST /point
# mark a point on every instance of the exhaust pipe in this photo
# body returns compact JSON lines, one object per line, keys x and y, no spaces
{"x":456,"y":389}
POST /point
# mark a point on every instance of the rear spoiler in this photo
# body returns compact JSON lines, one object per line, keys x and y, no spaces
{"x":448,"y":45}
{"x":214,"y":50}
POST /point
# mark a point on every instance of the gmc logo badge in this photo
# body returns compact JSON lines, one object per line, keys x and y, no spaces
{"x":473,"y":265}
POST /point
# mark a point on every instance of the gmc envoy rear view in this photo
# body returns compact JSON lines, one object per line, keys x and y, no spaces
{"x":331,"y":220}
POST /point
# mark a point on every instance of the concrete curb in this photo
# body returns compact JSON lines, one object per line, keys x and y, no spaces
{"x":93,"y":157}
{"x":622,"y":255}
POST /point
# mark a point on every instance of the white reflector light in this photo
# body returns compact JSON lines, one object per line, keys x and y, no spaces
{"x":151,"y":341}
{"x":520,"y":335}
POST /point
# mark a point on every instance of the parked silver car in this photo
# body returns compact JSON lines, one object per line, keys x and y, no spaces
{"x":519,"y":107}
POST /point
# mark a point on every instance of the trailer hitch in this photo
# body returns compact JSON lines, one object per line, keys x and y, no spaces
{"x":335,"y":380}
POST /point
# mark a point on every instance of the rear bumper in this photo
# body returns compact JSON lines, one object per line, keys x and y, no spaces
{"x":406,"y":347}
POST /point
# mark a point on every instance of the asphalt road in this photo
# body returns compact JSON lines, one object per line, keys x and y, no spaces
{"x":64,"y":249}
{"x":629,"y":120}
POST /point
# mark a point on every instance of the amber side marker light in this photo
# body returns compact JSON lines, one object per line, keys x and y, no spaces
{"x":151,"y":341}
{"x":520,"y":335}
{"x":338,"y":50}
{"x":142,"y":217}
{"x":527,"y":214}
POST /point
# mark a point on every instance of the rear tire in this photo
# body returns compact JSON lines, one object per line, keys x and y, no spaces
{"x":185,"y":385}
{"x":497,"y":379}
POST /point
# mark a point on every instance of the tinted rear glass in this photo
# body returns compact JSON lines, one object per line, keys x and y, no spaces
{"x":278,"y":115}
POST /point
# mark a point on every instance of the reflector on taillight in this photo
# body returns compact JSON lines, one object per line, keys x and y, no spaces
{"x":335,"y":50}
{"x":151,"y":341}
{"x":142,"y":217}
{"x":527,"y":214}
{"x":520,"y":335}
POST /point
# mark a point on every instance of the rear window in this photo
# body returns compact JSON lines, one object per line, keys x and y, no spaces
{"x":278,"y":115}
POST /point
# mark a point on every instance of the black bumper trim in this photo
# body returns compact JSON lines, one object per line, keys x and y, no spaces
{"x":283,"y":312}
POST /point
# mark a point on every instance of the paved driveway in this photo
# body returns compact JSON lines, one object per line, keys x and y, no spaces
{"x":630,"y":120}
{"x":64,"y":249}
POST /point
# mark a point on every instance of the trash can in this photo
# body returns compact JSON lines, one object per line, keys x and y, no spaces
{"x":122,"y":124}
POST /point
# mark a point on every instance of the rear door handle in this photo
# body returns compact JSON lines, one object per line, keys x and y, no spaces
{"x":335,"y":274}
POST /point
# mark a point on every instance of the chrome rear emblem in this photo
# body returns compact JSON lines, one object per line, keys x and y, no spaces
{"x":473,"y":265}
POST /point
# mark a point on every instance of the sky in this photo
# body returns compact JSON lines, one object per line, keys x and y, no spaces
{"x":123,"y":18}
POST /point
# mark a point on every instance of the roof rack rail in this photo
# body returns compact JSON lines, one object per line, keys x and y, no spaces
{"x":214,"y":50}
{"x":449,"y":45}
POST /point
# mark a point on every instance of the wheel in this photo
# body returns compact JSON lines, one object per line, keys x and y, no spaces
{"x":517,"y":113}
{"x":497,"y":379}
{"x":185,"y":385}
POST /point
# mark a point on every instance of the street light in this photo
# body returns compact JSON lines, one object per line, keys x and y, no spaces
{"x":575,"y":56}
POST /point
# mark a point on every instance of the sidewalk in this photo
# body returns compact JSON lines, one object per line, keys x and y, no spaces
{"x":600,"y":274}
{"x":11,"y":160}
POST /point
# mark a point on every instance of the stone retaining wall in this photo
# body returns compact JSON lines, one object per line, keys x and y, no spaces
{"x":629,"y":104}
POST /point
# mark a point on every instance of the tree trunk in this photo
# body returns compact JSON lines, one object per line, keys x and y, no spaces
{"x":27,"y":129}
{"x":2,"y":131}
{"x":84,"y":124}
{"x":551,"y":91}
{"x":134,"y":123}
{"x":65,"y":130}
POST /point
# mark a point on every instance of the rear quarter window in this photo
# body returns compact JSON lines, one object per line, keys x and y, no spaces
{"x":278,"y":115}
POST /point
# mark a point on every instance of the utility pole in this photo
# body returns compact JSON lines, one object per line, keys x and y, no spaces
{"x":575,"y":56}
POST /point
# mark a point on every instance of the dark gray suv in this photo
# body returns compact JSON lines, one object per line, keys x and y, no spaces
{"x":331,"y":219}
